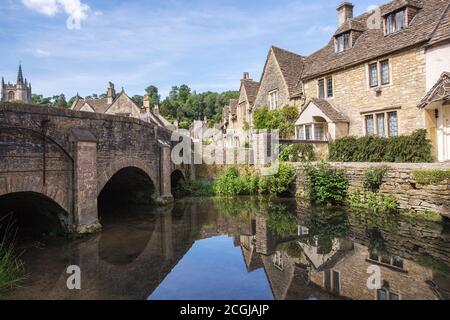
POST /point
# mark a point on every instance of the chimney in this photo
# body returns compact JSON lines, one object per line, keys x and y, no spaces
{"x":345,"y":12}
{"x":246,"y":76}
{"x":156,"y":110}
{"x":111,"y":94}
{"x":146,"y":102}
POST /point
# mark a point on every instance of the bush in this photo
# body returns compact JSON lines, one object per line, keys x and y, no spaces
{"x":373,"y":178}
{"x":427,"y":177}
{"x":232,"y":183}
{"x":372,"y":201}
{"x":325,"y":185}
{"x":298,"y":153}
{"x":282,"y":119}
{"x":409,"y":149}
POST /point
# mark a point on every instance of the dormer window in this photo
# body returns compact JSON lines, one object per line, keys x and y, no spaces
{"x":343,"y":42}
{"x":395,"y":22}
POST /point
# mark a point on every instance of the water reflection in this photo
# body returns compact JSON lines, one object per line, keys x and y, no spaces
{"x":244,"y":249}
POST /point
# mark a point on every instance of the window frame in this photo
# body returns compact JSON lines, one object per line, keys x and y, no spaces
{"x":371,"y":83}
{"x":329,"y":90}
{"x":273,"y":99}
{"x":390,"y":22}
{"x":388,"y":70}
{"x":376,"y":73}
{"x":321,"y":88}
{"x":302,"y":128}
{"x":388,"y":132}
{"x":343,"y":42}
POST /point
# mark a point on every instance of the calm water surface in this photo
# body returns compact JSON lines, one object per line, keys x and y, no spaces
{"x":243,"y":249}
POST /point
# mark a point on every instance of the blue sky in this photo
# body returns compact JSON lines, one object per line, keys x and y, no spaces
{"x":206,"y":44}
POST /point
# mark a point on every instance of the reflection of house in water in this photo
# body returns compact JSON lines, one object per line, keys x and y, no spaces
{"x":306,"y":270}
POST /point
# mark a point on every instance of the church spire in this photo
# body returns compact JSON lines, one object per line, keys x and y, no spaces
{"x":20,"y":75}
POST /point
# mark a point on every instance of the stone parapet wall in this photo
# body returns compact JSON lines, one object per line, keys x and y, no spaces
{"x":399,"y":182}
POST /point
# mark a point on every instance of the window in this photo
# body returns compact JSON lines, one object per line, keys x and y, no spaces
{"x":278,"y":260}
{"x":395,"y":22}
{"x":384,"y":294}
{"x":373,"y":75}
{"x":332,"y":282}
{"x":384,"y":66}
{"x":301,"y":132}
{"x":319,"y":132}
{"x":380,"y":125}
{"x":273,"y":100}
{"x":343,"y":42}
{"x":392,"y":124}
{"x":369,"y":126}
{"x":11,"y":96}
{"x":321,"y":85}
{"x":387,"y":260}
{"x":329,"y":87}
{"x":336,"y":282}
{"x":308,"y":132}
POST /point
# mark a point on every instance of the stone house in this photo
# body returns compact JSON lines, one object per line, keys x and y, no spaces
{"x":122,"y":105}
{"x":383,"y":73}
{"x":374,"y":75}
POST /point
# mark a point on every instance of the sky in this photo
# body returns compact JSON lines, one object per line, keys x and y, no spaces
{"x":70,"y":46}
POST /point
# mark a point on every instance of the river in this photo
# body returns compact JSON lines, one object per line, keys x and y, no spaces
{"x":243,"y":248}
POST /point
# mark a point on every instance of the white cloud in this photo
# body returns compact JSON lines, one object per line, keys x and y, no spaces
{"x":75,"y":9}
{"x":42,"y":53}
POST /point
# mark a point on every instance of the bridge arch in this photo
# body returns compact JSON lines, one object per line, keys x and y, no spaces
{"x":33,"y":213}
{"x":130,"y":162}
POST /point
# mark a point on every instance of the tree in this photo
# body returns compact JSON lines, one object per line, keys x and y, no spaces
{"x":60,"y":101}
{"x":153,"y":95}
{"x":139,"y":100}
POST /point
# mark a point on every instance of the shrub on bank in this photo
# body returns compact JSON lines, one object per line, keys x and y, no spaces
{"x":408,"y":149}
{"x":427,"y":177}
{"x":325,"y":185}
{"x":298,"y":153}
{"x":373,"y":201}
{"x":232,"y":183}
{"x":373,"y":178}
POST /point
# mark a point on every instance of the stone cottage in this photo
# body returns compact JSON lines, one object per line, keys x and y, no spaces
{"x":383,"y":73}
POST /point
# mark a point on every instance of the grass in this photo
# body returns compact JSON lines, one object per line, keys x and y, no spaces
{"x":427,"y":177}
{"x":11,"y":268}
{"x":425,"y":215}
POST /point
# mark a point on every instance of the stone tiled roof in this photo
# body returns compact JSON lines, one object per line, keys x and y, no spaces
{"x":351,"y":25}
{"x":398,"y":4}
{"x":99,"y":105}
{"x":251,"y":89}
{"x":372,"y":43}
{"x":442,"y":32}
{"x":291,"y":65}
{"x":335,"y":115}
{"x":233,"y":106}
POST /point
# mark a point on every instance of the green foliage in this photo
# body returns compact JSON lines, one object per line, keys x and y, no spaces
{"x":435,"y":264}
{"x":424,"y":215}
{"x":11,"y":268}
{"x":280,"y":221}
{"x":282,"y":119}
{"x":232,"y":183}
{"x":427,"y":177}
{"x":372,"y":201}
{"x":373,"y":178}
{"x":298,"y":153}
{"x":187,"y":106}
{"x":58,"y":101}
{"x":410,"y":149}
{"x":292,"y":249}
{"x":325,"y":185}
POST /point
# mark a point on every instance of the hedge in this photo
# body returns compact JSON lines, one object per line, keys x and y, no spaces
{"x":403,"y":149}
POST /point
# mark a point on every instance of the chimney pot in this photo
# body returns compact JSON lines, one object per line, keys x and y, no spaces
{"x":246,"y":76}
{"x":345,"y":12}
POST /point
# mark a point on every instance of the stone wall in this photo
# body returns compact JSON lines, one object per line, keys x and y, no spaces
{"x":398,"y":182}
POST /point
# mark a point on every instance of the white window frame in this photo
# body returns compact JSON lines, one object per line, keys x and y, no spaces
{"x":273,"y":99}
{"x":302,"y":128}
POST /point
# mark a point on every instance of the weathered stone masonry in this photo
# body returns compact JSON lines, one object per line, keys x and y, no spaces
{"x":70,"y":156}
{"x":398,"y":182}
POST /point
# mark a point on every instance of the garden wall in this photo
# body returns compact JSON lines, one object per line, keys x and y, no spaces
{"x":399,"y":182}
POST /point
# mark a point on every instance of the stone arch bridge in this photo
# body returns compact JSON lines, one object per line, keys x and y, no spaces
{"x":69,"y":157}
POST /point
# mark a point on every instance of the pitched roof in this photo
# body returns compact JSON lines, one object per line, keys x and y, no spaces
{"x":335,"y":115}
{"x":372,"y":43}
{"x":98,"y":105}
{"x":291,"y":65}
{"x":442,"y":31}
{"x":233,"y":106}
{"x":440,"y":91}
{"x":251,"y":89}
